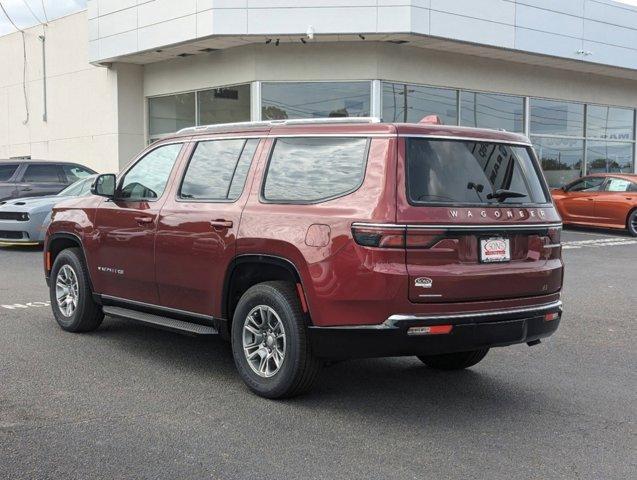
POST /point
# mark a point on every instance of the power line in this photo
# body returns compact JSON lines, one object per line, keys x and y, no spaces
{"x":32,"y":12}
{"x":44,"y":10}
{"x":6,"y":14}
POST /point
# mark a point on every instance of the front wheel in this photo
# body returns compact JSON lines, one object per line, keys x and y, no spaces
{"x":71,"y":295}
{"x":454,"y":361}
{"x":632,"y":223}
{"x":269,"y":342}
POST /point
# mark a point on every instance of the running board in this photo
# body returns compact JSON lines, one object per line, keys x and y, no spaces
{"x":165,"y":323}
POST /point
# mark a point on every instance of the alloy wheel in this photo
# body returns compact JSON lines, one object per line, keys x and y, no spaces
{"x":67,"y":291}
{"x":264,"y":341}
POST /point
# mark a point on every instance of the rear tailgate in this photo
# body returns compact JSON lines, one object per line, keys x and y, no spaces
{"x":463,"y":246}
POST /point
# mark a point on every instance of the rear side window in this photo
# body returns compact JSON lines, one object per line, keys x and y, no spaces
{"x":75,"y":172}
{"x":146,"y":180}
{"x":309,"y":170}
{"x":7,"y":171}
{"x":42,"y":173}
{"x":463,"y":172}
{"x":592,"y":184}
{"x":218,"y":169}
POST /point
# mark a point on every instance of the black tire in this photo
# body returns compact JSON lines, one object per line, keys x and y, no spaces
{"x":299,"y":367}
{"x":631,"y":223}
{"x":87,"y":315}
{"x":454,"y":361}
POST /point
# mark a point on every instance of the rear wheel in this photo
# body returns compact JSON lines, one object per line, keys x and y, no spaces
{"x":71,"y":296}
{"x":269,"y":342}
{"x":632,"y":223}
{"x":454,"y":361}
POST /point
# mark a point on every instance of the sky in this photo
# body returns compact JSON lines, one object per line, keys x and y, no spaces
{"x":58,"y":8}
{"x":20,"y":14}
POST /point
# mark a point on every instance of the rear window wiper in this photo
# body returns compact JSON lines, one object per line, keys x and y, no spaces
{"x":501,"y":194}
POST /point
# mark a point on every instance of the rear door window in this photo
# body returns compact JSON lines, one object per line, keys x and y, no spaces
{"x":7,"y":171}
{"x":617,"y":185}
{"x":218,"y":169}
{"x":311,"y":170}
{"x":42,"y":174}
{"x":470,"y":172}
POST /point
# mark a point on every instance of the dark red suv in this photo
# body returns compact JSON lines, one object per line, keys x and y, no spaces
{"x":306,"y":241}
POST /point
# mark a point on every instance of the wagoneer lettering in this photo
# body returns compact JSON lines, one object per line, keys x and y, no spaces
{"x":301,"y":241}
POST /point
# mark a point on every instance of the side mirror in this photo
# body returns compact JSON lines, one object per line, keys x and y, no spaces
{"x":104,"y":185}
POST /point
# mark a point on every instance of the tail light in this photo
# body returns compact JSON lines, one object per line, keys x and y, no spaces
{"x":555,"y":234}
{"x":395,"y":236}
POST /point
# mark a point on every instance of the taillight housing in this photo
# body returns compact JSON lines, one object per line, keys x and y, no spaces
{"x":555,"y":234}
{"x":381,"y":236}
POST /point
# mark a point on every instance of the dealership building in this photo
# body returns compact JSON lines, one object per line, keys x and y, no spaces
{"x":97,"y":86}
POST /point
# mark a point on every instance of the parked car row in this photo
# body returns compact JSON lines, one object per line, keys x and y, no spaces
{"x":28,"y":191}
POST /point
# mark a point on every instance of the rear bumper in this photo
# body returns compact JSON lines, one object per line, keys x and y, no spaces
{"x":469,"y":332}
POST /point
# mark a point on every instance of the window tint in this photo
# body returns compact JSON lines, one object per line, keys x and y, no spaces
{"x":42,"y":173}
{"x":223,"y":105}
{"x":75,"y":172}
{"x":147,"y":179}
{"x":618,"y":185}
{"x":7,"y":171}
{"x":562,"y":158}
{"x":609,"y":157}
{"x":609,"y":122}
{"x":171,"y":113}
{"x":311,"y":169}
{"x":441,"y":171}
{"x":551,"y":117}
{"x":592,"y":184}
{"x":218,"y":169}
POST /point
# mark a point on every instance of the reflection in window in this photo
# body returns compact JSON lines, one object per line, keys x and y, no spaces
{"x":314,"y":169}
{"x":486,"y":110}
{"x":549,"y":117}
{"x":609,"y":122}
{"x":213,"y":172}
{"x":147,"y":179}
{"x":315,"y":100}
{"x":609,"y":157}
{"x":410,"y":103}
{"x":561,"y":158}
{"x":171,"y":113}
{"x":224,"y":105}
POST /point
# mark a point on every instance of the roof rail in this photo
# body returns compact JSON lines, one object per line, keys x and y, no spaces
{"x":270,"y":123}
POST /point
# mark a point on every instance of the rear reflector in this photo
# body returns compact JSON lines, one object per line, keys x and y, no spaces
{"x":431,"y":330}
{"x":551,"y":316}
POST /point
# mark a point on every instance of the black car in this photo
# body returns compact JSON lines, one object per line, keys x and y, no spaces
{"x":34,"y":178}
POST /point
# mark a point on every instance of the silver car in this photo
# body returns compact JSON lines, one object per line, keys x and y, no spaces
{"x":25,"y":220}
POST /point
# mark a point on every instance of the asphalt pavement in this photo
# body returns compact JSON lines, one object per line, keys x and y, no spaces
{"x":129,"y":401}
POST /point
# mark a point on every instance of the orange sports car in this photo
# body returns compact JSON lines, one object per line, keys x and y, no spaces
{"x":607,"y":200}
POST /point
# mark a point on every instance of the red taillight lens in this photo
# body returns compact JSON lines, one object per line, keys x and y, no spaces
{"x":549,"y":317}
{"x":381,"y":236}
{"x":423,"y":239}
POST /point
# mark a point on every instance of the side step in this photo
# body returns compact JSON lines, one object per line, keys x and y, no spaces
{"x":159,"y":321}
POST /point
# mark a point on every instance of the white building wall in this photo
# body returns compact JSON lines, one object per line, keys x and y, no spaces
{"x":83,"y":121}
{"x":384,"y":61}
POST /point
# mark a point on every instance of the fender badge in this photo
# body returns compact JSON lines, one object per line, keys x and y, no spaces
{"x":423,"y":282}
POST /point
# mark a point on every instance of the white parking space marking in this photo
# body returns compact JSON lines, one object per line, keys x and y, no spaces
{"x":592,"y":234}
{"x":602,"y":242}
{"x":19,"y":306}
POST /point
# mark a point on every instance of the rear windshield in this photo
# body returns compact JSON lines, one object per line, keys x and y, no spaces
{"x":455,"y":171}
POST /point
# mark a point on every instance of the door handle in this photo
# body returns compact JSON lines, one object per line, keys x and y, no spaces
{"x":144,"y":220}
{"x":221,"y":224}
{"x":27,"y":189}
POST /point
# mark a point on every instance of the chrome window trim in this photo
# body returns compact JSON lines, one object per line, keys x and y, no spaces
{"x":466,"y":139}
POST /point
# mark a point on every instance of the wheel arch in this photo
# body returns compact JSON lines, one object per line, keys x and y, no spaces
{"x":242,"y":274}
{"x":630,"y":212}
{"x":58,"y":242}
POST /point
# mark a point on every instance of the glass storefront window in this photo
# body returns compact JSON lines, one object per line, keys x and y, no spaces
{"x":561,"y":158}
{"x":609,"y":157}
{"x":315,"y":100}
{"x":410,"y":103}
{"x":224,"y":105}
{"x":487,"y":110}
{"x":171,"y":113}
{"x":609,"y":122}
{"x":550,"y":117}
